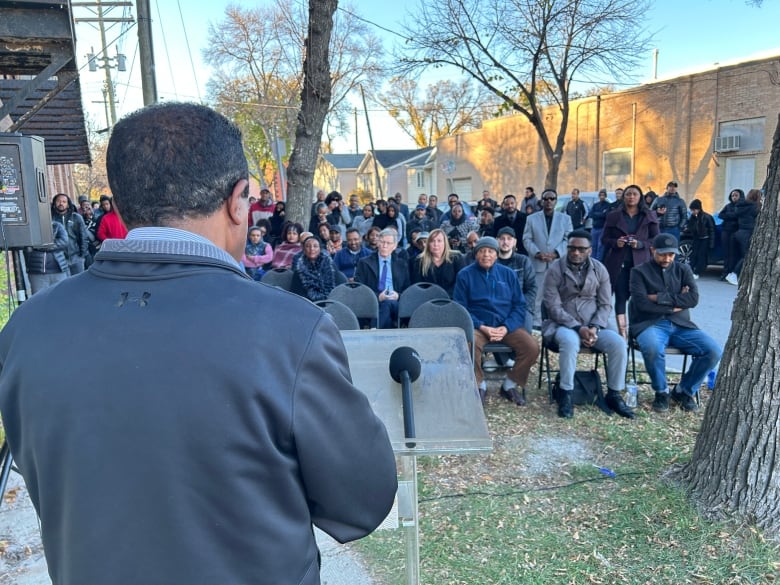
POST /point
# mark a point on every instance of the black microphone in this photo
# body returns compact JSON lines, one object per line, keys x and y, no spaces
{"x":405,"y":368}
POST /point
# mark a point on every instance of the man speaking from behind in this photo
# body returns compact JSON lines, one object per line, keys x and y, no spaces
{"x":191,"y":460}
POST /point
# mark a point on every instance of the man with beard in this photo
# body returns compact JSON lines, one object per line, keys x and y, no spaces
{"x":578,"y":300}
{"x":521,"y":264}
{"x":511,"y":217}
{"x":347,"y":258}
{"x":63,"y":211}
{"x":662,"y":293}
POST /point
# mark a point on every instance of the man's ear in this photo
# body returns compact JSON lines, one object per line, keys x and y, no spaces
{"x":237,"y":203}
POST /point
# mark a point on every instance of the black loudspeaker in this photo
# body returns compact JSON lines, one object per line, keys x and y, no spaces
{"x":25,"y":210}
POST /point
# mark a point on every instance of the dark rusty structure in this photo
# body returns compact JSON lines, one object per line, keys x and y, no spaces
{"x":39,"y":81}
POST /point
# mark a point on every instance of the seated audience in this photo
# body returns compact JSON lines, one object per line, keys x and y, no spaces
{"x":662,"y":293}
{"x":578,"y":302}
{"x":521,"y":264}
{"x":492,"y":295}
{"x":457,"y":226}
{"x":437,"y":264}
{"x":385,"y":274}
{"x":314,"y":274}
{"x":371,"y":238}
{"x":347,"y":258}
{"x":257,"y":253}
{"x":290,"y":246}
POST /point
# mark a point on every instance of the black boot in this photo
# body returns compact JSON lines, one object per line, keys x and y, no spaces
{"x":565,"y":408}
{"x":615,"y":402}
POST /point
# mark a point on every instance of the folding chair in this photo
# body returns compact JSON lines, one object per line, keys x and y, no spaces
{"x":360,"y":298}
{"x":633,"y":347}
{"x":416,"y":295}
{"x":278,"y":277}
{"x":444,"y":313}
{"x":545,"y":368}
{"x":343,"y":316}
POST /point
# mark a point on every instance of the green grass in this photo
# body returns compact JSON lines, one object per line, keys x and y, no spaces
{"x":536,"y":511}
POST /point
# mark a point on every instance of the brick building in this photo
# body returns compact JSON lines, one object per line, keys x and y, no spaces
{"x":711,"y":131}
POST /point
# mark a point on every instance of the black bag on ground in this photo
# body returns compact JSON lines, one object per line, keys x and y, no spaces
{"x":587,"y":389}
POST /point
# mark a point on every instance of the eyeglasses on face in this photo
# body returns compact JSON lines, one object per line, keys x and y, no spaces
{"x":580,"y":249}
{"x":549,"y":198}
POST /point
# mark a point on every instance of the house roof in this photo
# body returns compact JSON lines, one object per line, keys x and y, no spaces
{"x":391,"y":158}
{"x":344,"y":161}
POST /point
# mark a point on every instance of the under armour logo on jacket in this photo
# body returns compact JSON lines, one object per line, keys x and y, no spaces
{"x":125,"y":298}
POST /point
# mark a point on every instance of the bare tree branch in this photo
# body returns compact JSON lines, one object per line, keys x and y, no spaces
{"x":528,"y":52}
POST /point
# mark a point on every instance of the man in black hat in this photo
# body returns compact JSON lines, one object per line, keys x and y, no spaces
{"x":662,"y":293}
{"x":492,"y":295}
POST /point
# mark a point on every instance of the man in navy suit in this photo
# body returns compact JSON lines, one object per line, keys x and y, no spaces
{"x":387,"y":275}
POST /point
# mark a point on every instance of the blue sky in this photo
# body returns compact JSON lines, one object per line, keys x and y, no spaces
{"x":690,"y":34}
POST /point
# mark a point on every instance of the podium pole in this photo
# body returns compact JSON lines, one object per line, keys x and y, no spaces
{"x":410,"y":518}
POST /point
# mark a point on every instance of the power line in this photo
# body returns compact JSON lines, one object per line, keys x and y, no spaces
{"x":189,"y":52}
{"x":372,"y":23}
{"x":167,"y":53}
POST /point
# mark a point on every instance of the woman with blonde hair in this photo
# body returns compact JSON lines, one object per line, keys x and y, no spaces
{"x":437,"y":263}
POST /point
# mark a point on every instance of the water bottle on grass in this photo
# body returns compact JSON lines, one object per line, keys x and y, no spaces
{"x":631,"y":392}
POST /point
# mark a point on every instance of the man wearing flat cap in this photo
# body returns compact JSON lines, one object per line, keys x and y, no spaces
{"x":662,"y":293}
{"x":492,"y":295}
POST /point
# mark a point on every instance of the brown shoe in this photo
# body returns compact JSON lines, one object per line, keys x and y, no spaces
{"x":513,"y":395}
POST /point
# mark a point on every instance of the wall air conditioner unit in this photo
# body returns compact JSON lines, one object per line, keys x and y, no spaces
{"x":727,"y":143}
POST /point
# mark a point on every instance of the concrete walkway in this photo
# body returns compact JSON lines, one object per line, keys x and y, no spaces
{"x":21,"y":553}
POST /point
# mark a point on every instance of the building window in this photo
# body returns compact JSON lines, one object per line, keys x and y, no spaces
{"x":751,"y":133}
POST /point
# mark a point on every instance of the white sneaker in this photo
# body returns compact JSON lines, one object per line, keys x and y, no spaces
{"x":695,"y":277}
{"x":731,"y":278}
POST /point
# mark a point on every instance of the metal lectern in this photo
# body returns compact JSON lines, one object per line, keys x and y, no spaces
{"x":447,"y":411}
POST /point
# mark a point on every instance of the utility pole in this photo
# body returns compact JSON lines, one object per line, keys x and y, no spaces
{"x":97,"y":8}
{"x":146,"y":53}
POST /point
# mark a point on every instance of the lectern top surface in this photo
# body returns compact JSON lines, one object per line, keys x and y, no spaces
{"x":447,"y":410}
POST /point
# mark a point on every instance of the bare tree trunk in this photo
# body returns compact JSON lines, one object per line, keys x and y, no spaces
{"x":735,"y":467}
{"x":315,"y":99}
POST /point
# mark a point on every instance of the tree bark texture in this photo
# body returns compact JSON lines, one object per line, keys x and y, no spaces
{"x":735,"y":468}
{"x":315,"y":99}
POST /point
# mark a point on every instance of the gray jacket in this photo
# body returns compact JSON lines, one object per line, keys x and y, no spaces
{"x":209,"y":460}
{"x":570,"y":306}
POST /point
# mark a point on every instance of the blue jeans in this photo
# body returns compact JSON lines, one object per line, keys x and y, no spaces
{"x":702,"y":348}
{"x":608,"y":341}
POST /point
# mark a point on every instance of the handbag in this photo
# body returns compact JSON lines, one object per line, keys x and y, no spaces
{"x":587,"y":390}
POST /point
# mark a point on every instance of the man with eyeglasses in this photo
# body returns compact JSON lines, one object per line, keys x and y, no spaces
{"x":544,"y":239}
{"x":387,"y":275}
{"x":578,"y":301}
